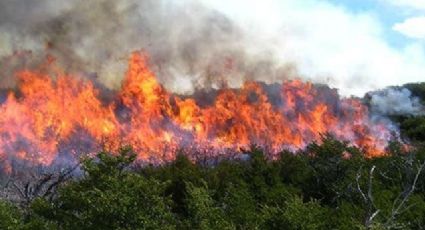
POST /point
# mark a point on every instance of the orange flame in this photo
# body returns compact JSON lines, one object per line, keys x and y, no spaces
{"x":48,"y":114}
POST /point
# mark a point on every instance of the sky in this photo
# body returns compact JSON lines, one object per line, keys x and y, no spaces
{"x":354,"y":45}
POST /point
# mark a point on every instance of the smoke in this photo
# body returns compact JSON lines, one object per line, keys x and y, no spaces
{"x":395,"y":101}
{"x":189,"y":44}
{"x":207,"y":44}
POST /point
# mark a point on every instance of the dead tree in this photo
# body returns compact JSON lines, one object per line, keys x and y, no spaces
{"x":400,"y":204}
{"x":36,"y":186}
{"x":371,"y":210}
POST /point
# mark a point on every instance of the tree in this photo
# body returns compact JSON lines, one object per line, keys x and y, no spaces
{"x":295,"y":214}
{"x":10,"y":217}
{"x":109,"y":197}
{"x":203,"y":213}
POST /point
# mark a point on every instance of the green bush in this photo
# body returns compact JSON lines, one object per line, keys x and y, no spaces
{"x":321,"y":187}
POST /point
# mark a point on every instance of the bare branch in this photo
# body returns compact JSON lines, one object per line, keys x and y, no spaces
{"x":44,"y":186}
{"x":358,"y":185}
{"x":372,"y":211}
{"x":397,"y":207}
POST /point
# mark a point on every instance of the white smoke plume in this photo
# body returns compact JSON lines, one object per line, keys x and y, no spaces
{"x":395,"y":101}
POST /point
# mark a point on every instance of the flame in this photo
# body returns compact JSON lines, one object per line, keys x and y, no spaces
{"x":50,"y":116}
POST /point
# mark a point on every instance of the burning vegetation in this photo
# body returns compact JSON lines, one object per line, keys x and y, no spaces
{"x":52,"y":116}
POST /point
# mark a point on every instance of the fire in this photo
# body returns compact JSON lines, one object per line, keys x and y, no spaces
{"x":50,"y":116}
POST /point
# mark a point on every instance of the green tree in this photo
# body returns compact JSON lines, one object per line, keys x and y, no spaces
{"x":10,"y":217}
{"x":294,"y":214}
{"x":203,"y":212}
{"x":110,"y":197}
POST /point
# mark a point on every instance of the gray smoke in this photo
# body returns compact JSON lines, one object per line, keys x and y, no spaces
{"x":189,"y":44}
{"x":395,"y":101}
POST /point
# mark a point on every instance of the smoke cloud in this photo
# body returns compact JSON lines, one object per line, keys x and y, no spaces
{"x":207,"y":44}
{"x":189,"y":45}
{"x":395,"y":101}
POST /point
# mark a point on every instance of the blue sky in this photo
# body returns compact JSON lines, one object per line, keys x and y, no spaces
{"x":387,"y":13}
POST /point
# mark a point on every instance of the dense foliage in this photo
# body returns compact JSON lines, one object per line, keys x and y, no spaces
{"x":327,"y":186}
